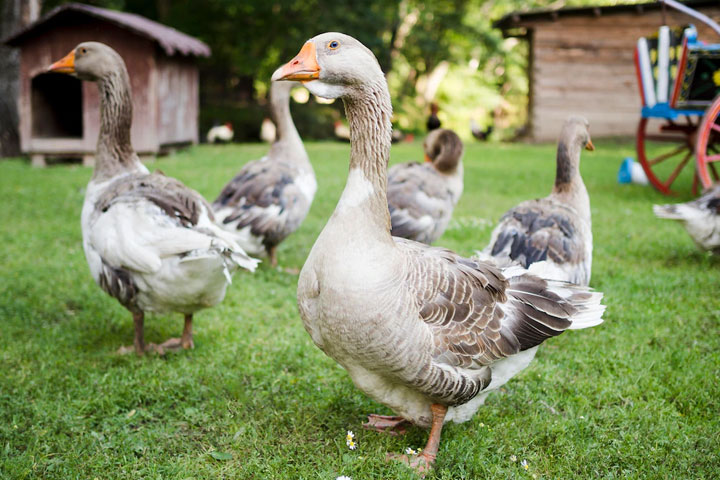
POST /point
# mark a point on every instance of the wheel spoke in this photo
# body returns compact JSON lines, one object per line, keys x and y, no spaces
{"x":665,"y":156}
{"x":715,"y":127}
{"x":677,"y":170}
{"x":666,"y":138}
{"x":712,"y":158}
{"x":714,"y":172}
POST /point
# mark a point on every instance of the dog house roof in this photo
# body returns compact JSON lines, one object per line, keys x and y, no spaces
{"x":170,"y":40}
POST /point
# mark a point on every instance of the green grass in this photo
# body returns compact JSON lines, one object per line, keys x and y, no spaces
{"x":637,"y":397}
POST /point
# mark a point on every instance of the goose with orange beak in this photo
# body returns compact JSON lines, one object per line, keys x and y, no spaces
{"x":150,"y":241}
{"x":556,"y":229}
{"x":420,"y":329}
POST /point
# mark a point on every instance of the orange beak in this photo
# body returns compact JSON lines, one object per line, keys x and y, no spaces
{"x":589,"y":146}
{"x":427,"y":159}
{"x":65,"y":64}
{"x":303,"y":67}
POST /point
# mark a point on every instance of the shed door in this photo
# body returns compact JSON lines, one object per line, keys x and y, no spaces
{"x":56,"y":106}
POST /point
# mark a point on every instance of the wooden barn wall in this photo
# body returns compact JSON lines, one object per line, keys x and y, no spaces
{"x":177,"y":100}
{"x":39,"y":52}
{"x":584,"y":65}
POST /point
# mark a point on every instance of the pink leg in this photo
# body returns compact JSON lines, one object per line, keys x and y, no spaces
{"x":391,"y":425}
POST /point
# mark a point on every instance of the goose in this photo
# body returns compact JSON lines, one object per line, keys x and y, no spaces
{"x":270,"y":197}
{"x":419,"y":329}
{"x":556,"y":228}
{"x":421,"y":196}
{"x":150,"y":241}
{"x":700,"y":217}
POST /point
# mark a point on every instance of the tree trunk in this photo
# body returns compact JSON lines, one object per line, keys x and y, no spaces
{"x":14,"y":15}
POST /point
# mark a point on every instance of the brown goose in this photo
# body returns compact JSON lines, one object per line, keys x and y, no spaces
{"x":700,"y":217}
{"x":269,"y":198}
{"x":150,"y":241}
{"x":420,"y":329}
{"x":421,"y":196}
{"x":557,"y":228}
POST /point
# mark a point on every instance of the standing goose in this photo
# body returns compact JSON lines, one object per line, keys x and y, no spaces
{"x":150,"y":241}
{"x":556,"y":228}
{"x":700,"y":217}
{"x":269,"y":198}
{"x":421,"y":196}
{"x":420,"y":329}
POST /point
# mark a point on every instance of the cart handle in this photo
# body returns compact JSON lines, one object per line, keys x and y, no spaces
{"x":693,"y":13}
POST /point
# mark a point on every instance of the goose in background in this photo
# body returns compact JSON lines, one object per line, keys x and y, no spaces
{"x":270,"y":197}
{"x":150,"y":241}
{"x":479,"y":134}
{"x":220,"y":133}
{"x":422,"y":196}
{"x":700,"y":217}
{"x":557,"y":228}
{"x":268,"y":132}
{"x":419,"y":329}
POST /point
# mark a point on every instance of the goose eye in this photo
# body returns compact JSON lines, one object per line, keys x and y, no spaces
{"x":333,"y":45}
{"x":83,"y":50}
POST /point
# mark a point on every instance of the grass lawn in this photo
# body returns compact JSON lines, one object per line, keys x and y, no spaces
{"x":637,"y":397}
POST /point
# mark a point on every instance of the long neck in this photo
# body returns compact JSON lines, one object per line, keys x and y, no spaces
{"x":114,"y":149}
{"x":569,"y":186}
{"x":365,"y":195}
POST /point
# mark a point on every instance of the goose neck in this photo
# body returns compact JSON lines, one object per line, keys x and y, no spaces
{"x":569,"y":185}
{"x":114,"y":148}
{"x":369,"y":114}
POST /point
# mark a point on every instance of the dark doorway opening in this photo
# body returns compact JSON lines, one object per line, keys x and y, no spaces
{"x":56,"y":106}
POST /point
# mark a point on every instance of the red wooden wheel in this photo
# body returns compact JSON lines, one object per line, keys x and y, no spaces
{"x":707,"y":151}
{"x":665,"y":150}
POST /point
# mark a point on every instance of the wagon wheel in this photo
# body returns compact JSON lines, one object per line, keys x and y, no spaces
{"x":665,"y":153}
{"x":707,"y":150}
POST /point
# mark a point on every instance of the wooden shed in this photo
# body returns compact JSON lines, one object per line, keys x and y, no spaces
{"x":59,"y":114}
{"x":581,"y":62}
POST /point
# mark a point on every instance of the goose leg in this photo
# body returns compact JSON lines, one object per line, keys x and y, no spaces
{"x":423,"y":462}
{"x":273,"y":256}
{"x":186,"y":341}
{"x":389,"y":424}
{"x":139,"y":341}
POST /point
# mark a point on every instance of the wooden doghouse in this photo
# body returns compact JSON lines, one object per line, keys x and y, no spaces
{"x":581,"y":62}
{"x":59,"y":114}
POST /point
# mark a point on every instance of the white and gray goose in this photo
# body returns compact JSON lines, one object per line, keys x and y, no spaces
{"x":150,"y":241}
{"x":422,"y":196}
{"x":700,"y":217}
{"x":270,"y":197}
{"x":557,"y":228}
{"x":420,"y":329}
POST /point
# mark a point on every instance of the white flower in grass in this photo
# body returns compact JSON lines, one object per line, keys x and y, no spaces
{"x":350,"y":440}
{"x":410,"y":451}
{"x":513,"y":458}
{"x":524,"y":464}
{"x":343,"y":477}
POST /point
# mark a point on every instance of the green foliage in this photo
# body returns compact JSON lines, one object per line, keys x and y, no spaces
{"x":636,"y":397}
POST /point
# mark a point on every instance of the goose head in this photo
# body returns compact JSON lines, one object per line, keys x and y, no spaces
{"x":91,"y":61}
{"x":444,"y":149}
{"x":332,"y":65}
{"x":576,"y":131}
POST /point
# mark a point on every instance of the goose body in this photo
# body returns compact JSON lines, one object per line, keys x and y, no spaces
{"x":557,"y":228}
{"x":700,"y":217}
{"x":150,"y":241}
{"x":270,"y":197}
{"x":420,"y":329}
{"x":422,"y":196}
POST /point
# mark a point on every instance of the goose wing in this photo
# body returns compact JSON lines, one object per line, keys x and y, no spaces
{"x":419,"y":201}
{"x":142,"y":218}
{"x":265,"y":196}
{"x":536,"y":231}
{"x":479,"y":314}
